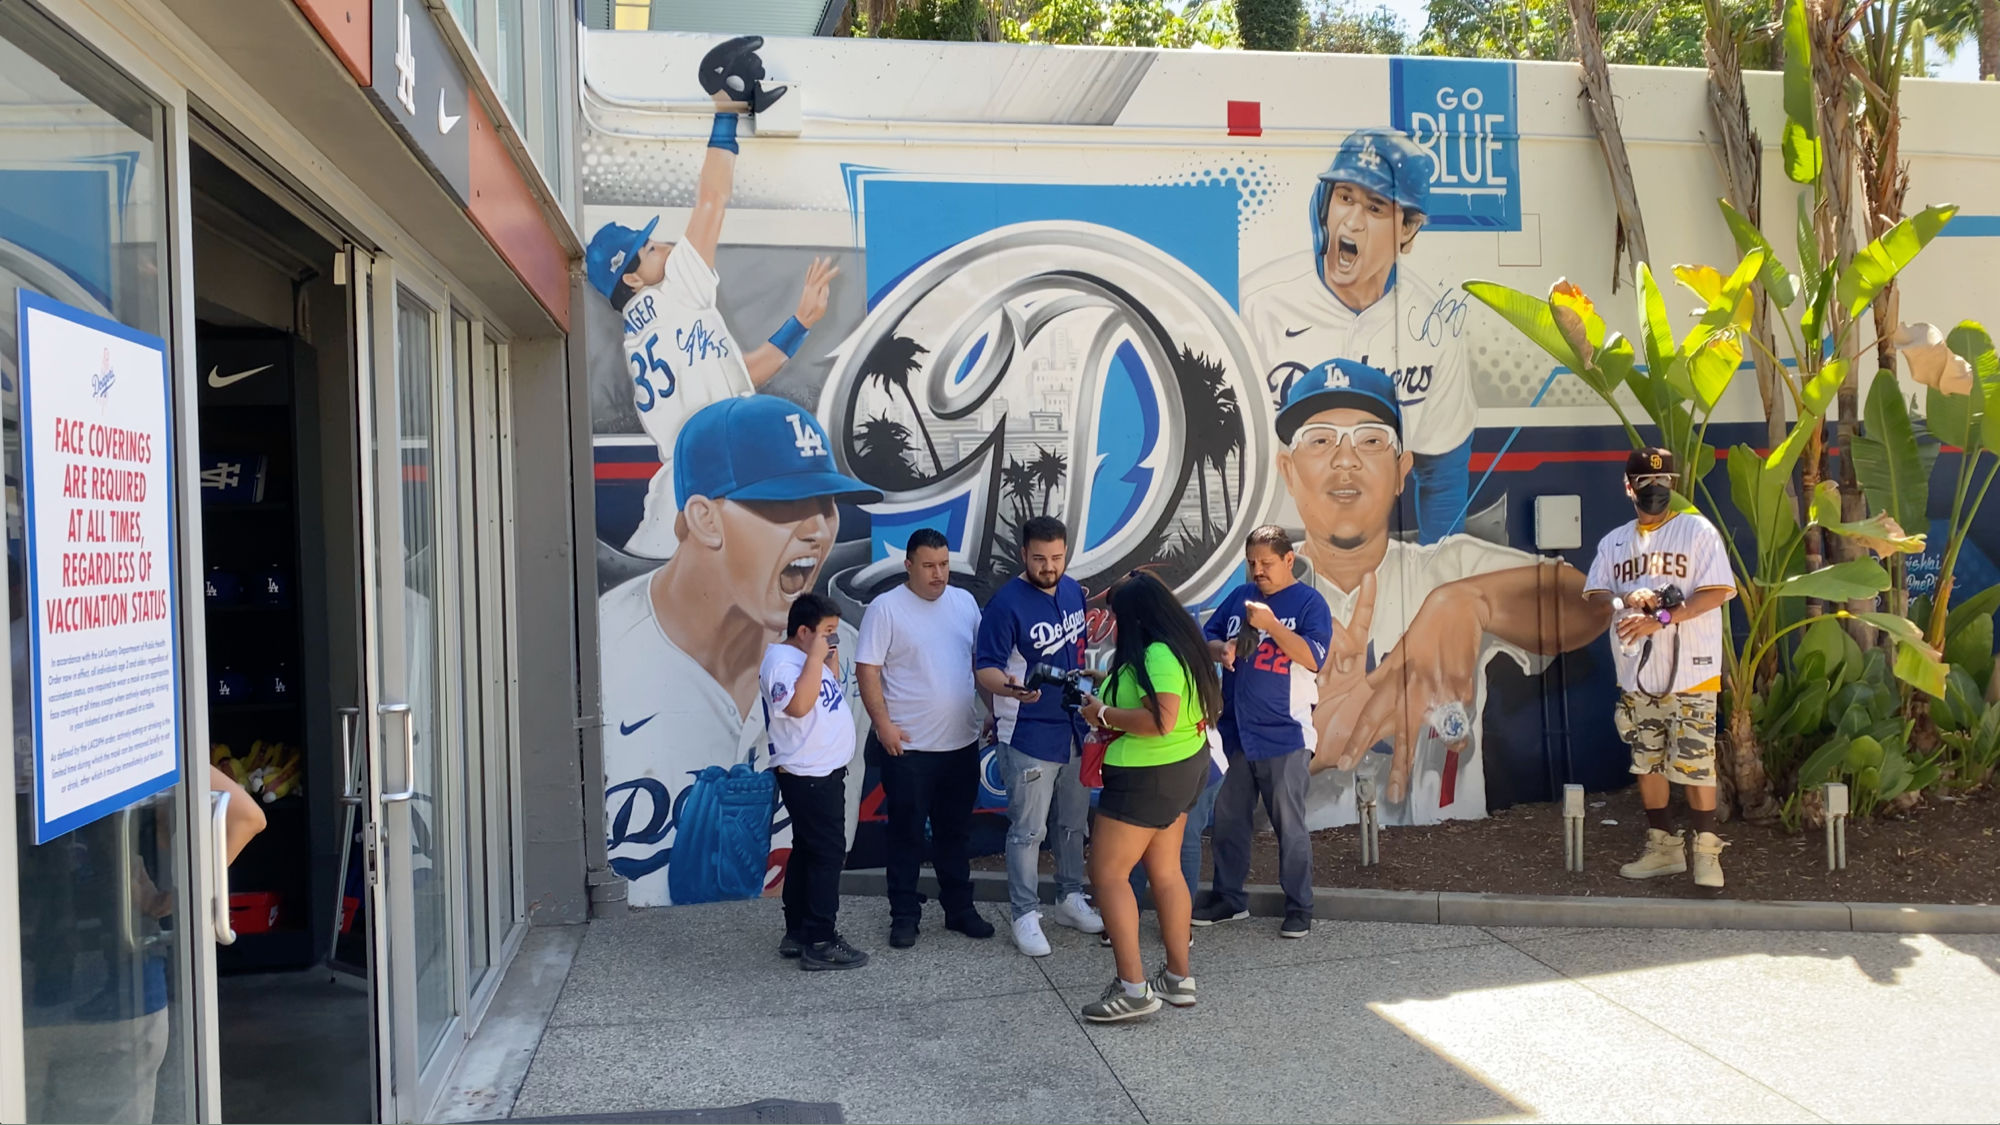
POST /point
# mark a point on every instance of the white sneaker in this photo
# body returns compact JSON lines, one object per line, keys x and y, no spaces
{"x":1664,"y":854}
{"x":1028,"y":937}
{"x":1708,"y":859}
{"x":1074,"y":911}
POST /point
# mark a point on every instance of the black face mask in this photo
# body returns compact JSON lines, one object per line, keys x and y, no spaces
{"x":1652,"y":498}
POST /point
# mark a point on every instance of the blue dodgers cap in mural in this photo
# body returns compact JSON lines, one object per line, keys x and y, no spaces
{"x":1336,"y":383}
{"x":759,"y":447}
{"x":611,"y":249}
{"x":1385,"y":162}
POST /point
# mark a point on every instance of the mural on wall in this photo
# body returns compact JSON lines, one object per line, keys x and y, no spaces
{"x":980,"y":333}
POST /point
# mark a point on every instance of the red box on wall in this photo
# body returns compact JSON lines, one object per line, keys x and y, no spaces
{"x":253,"y":912}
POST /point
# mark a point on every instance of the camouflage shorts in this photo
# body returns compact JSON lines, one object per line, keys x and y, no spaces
{"x":1678,"y":729}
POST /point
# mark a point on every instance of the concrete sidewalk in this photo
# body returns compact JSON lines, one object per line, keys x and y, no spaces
{"x":690,"y":1007}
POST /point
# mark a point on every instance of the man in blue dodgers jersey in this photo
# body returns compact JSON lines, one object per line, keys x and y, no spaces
{"x":678,"y":350}
{"x":1038,"y":617}
{"x":1270,"y":635}
{"x":680,"y":646}
{"x":1351,"y":299}
{"x":1415,"y":625}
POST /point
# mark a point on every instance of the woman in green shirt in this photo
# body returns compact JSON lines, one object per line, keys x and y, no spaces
{"x":1161,"y":690}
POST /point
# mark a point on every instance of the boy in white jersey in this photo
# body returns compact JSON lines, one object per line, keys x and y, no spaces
{"x":679,"y":353}
{"x":1349,"y":299}
{"x":1667,"y":576}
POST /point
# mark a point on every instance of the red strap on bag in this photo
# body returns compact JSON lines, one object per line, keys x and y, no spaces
{"x":1091,"y":770}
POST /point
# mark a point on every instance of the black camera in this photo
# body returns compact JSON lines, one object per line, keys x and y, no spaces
{"x":1076,"y":683}
{"x":1670,"y":596}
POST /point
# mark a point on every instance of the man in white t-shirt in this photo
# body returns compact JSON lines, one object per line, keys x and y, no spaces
{"x":1666,"y":575}
{"x":812,"y":740}
{"x":679,"y":353}
{"x":1414,"y":626}
{"x":914,"y":664}
{"x":1352,"y":298}
{"x":679,"y":646}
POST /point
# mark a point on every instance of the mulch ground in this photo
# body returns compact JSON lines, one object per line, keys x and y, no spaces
{"x":1943,"y":851}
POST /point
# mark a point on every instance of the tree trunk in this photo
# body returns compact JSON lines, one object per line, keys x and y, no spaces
{"x":1742,"y":161}
{"x":1597,"y":98}
{"x":1989,"y":39}
{"x":1750,"y":785}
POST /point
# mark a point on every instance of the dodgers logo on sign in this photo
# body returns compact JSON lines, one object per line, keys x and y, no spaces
{"x":1463,"y":112}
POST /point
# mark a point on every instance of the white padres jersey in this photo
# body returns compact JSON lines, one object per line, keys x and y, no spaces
{"x":1412,"y":333}
{"x":1685,"y":551}
{"x":680,"y":357}
{"x":1407,"y":575}
{"x":665,"y":719}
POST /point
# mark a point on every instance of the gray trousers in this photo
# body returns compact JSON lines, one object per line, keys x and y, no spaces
{"x":1281,"y":784}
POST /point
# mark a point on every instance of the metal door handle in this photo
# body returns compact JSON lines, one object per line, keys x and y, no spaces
{"x":218,"y":807}
{"x":409,"y":752}
{"x":350,"y":793}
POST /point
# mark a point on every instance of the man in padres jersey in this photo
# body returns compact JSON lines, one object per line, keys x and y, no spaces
{"x":1351,"y":299}
{"x":679,"y":353}
{"x":680,"y":645}
{"x":1669,"y":659}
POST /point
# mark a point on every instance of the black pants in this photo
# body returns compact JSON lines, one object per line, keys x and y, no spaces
{"x":939,"y":786}
{"x":818,"y":806}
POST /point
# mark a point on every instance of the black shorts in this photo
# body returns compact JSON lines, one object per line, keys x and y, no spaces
{"x":1153,"y":796}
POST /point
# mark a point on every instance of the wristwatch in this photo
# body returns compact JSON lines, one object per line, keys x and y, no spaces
{"x":1665,"y":617}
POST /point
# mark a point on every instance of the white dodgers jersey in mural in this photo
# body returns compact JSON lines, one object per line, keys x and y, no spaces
{"x":1296,"y":324}
{"x":680,"y":357}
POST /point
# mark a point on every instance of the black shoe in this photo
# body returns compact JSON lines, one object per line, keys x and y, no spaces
{"x":903,"y":932}
{"x":1215,"y":910}
{"x":791,"y":947}
{"x":1296,"y":925}
{"x":835,"y":954}
{"x":970,"y":924}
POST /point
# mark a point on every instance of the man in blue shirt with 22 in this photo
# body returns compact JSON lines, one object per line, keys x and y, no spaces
{"x":1038,"y":618}
{"x":1270,"y":635}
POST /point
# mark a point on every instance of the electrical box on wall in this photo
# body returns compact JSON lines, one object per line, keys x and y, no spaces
{"x":1558,"y":523}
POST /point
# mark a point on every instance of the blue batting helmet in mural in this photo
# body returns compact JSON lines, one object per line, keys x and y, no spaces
{"x":1383,"y":161}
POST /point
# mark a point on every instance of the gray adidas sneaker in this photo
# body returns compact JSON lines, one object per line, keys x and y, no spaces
{"x":1178,"y":993}
{"x":1115,"y":1005}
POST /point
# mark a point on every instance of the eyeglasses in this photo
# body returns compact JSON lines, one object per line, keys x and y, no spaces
{"x":1371,"y":439}
{"x":1653,"y":478}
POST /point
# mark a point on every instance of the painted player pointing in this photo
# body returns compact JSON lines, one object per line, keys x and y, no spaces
{"x":679,"y":353}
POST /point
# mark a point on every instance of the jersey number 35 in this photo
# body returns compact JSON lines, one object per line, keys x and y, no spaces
{"x":643,"y":365}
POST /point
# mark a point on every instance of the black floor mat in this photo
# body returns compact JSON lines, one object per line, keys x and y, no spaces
{"x":771,"y":1111}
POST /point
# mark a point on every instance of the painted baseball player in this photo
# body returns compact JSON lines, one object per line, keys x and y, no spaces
{"x":1414,"y":625}
{"x":1351,"y":299}
{"x":679,"y":353}
{"x":681,"y":645}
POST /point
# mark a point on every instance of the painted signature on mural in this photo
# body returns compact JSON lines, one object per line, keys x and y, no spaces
{"x":1446,"y":318}
{"x":698,"y":341}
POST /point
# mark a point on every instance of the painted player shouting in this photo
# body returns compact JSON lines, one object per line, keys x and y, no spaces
{"x":679,"y":352}
{"x":1350,"y":299}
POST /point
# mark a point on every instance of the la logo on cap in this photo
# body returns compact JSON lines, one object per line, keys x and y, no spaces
{"x":1338,"y":380}
{"x":806,"y":438}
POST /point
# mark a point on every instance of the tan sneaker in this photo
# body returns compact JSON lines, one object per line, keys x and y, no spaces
{"x":1664,"y":855}
{"x":1708,"y":859}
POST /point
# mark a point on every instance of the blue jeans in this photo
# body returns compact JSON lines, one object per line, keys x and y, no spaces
{"x":1441,"y":482}
{"x":1281,"y":784}
{"x":1198,"y":818}
{"x":1043,"y":799}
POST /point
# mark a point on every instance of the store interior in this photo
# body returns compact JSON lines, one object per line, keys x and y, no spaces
{"x":279,"y":529}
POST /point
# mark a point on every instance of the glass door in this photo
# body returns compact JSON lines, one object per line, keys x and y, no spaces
{"x":411,"y":559}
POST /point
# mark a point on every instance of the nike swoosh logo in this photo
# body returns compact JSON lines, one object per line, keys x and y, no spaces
{"x":446,"y":120}
{"x":1291,"y":335}
{"x":218,"y":380}
{"x":628,"y":728}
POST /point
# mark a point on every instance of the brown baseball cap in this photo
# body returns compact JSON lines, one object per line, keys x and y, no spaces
{"x":1648,"y":462}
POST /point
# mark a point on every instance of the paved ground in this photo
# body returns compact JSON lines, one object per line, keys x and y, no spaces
{"x":690,"y":1007}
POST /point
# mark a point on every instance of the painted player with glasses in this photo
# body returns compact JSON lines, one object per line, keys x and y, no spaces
{"x":1414,"y":624}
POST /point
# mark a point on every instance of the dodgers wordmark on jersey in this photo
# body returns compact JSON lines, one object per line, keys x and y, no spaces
{"x":1406,"y":576}
{"x":1412,"y":333}
{"x":665,"y":718}
{"x":1685,"y":551}
{"x":680,"y":357}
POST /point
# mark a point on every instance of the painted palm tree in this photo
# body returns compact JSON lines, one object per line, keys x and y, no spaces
{"x":1018,"y":481}
{"x":890,"y":364}
{"x":1049,"y":468}
{"x":1214,"y":427}
{"x":884,"y":454}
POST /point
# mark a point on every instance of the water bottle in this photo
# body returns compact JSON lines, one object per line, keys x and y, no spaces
{"x":1618,"y":611}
